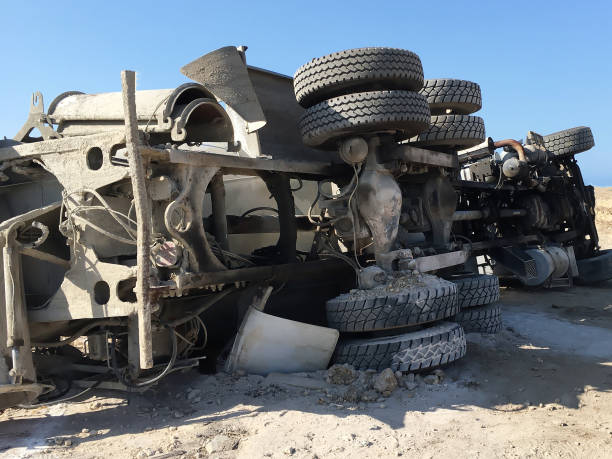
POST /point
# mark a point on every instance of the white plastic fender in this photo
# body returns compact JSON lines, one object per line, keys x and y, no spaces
{"x":269,"y":344}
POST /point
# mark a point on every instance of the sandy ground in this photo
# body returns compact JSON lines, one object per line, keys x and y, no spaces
{"x":603,"y":215}
{"x":540,"y":388}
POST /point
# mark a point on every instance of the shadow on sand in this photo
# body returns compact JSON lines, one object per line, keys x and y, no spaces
{"x":551,"y":362}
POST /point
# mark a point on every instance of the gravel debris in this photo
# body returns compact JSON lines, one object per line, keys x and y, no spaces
{"x":341,"y":374}
{"x":221,"y":443}
{"x":386,"y":382}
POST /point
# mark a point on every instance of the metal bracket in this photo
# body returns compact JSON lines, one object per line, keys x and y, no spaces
{"x":36,"y":120}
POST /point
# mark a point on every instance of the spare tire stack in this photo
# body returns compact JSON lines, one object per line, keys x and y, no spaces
{"x":451,"y":103}
{"x":363,"y":92}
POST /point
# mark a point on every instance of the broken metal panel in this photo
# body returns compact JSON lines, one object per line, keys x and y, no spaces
{"x":260,"y":103}
{"x":223,"y":72}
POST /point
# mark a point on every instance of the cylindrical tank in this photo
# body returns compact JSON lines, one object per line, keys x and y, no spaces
{"x":186,"y":113}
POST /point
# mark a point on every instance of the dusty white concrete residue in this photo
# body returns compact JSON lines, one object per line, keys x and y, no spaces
{"x":397,"y":283}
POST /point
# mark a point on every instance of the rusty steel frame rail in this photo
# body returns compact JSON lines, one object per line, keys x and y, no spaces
{"x":143,"y":218}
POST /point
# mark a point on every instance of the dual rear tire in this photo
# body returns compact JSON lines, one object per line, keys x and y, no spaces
{"x":424,"y":309}
{"x":469,"y":301}
{"x":378,"y":309}
{"x":416,"y":351}
{"x":478,"y":296}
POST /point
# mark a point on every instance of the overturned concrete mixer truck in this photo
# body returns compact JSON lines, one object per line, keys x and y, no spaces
{"x":147,"y":231}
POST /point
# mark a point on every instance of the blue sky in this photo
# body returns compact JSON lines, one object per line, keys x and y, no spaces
{"x":542,"y":66}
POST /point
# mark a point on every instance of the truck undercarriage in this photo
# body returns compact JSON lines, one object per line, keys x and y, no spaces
{"x":141,"y":225}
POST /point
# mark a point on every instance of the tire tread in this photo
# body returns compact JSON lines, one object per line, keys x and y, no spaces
{"x":452,"y":131}
{"x":570,"y":141}
{"x":414,"y":306}
{"x":402,"y":111}
{"x":482,"y":319}
{"x":357,"y":70}
{"x":477,"y":290}
{"x":461,"y":96}
{"x":425,"y":349}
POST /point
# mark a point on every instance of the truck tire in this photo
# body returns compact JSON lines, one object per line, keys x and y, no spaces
{"x":357,"y":70}
{"x":476,"y":289}
{"x":450,"y":132}
{"x":460,"y":96}
{"x":482,"y":319}
{"x":424,"y":349}
{"x":595,"y":269}
{"x":569,"y":141}
{"x":374,"y":310}
{"x":366,"y":112}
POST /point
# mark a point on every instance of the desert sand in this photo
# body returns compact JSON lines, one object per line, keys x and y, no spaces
{"x":540,"y":388}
